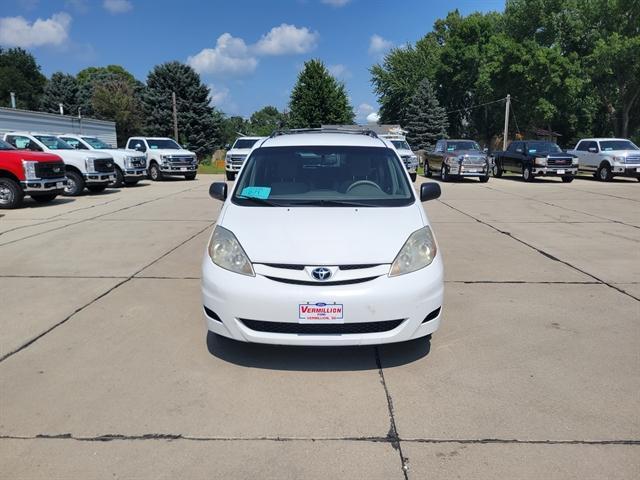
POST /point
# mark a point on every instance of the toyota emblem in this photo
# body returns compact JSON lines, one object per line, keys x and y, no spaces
{"x":321,"y":273}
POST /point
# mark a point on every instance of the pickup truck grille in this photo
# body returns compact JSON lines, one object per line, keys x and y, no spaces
{"x":50,"y":170}
{"x":181,"y":160}
{"x":474,"y":160}
{"x":237,"y":160}
{"x":632,"y":160}
{"x":103,"y":165}
{"x":559,"y":161}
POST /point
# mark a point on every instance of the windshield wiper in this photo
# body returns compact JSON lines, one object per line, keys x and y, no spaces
{"x":259,"y":201}
{"x":333,"y":203}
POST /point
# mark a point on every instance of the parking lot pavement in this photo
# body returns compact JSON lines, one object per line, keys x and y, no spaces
{"x":106,"y":370}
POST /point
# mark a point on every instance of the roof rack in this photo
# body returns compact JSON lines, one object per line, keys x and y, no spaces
{"x":348,"y":130}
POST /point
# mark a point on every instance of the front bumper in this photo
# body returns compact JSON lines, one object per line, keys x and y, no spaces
{"x":94,"y":178}
{"x":626,"y":171}
{"x":135,"y":173}
{"x":49,"y":185}
{"x":178,"y":169}
{"x":409,"y":298}
{"x":229,"y":167}
{"x":469,"y":170}
{"x":555,"y":171}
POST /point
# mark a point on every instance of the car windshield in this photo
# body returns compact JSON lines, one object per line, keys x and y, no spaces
{"x":543,"y":147}
{"x":611,"y":145}
{"x":53,"y":143}
{"x":462,"y":145}
{"x":96,"y":143}
{"x":323,"y":176}
{"x":244,"y":143}
{"x":401,"y":144}
{"x":163,"y":144}
{"x":5,"y":146}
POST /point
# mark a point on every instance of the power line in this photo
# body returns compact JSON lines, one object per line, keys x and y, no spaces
{"x":476,"y":106}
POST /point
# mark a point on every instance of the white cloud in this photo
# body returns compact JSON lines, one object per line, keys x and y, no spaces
{"x":373,"y":117}
{"x":339,"y":71}
{"x":19,"y":32}
{"x":230,"y":56}
{"x":336,"y":3}
{"x":378,"y":45}
{"x":287,"y":39}
{"x":217,"y":95}
{"x":80,"y":6}
{"x":117,"y":6}
{"x":363,"y":110}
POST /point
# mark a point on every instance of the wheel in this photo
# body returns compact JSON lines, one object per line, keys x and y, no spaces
{"x":154,"y":172}
{"x":75,"y":184}
{"x":131,"y":183}
{"x":11,"y":194}
{"x":604,"y":173}
{"x":119,"y":181}
{"x":231,"y":176}
{"x":427,"y":171}
{"x":527,"y":174}
{"x":497,"y":171}
{"x":444,"y":174}
{"x":190,"y":176}
{"x":45,"y":197}
{"x":638,"y":178}
{"x":96,"y":188}
{"x":413,"y":176}
{"x":567,"y":179}
{"x":484,"y":179}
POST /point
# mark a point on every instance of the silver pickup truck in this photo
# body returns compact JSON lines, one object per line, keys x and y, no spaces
{"x":608,"y":157}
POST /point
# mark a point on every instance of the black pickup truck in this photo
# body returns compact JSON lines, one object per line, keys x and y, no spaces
{"x":532,"y":158}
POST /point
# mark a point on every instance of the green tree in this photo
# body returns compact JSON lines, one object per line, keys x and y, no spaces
{"x":19,"y":73}
{"x":116,"y":99}
{"x":266,"y":120}
{"x":61,"y":88}
{"x":318,"y":98}
{"x":231,"y":128}
{"x":89,"y":74}
{"x":197,"y":124}
{"x":426,"y":119}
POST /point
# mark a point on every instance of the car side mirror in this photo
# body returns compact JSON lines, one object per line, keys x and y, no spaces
{"x":227,"y":146}
{"x":137,"y":146}
{"x":485,"y":150}
{"x":593,"y":149}
{"x":429,"y":191}
{"x":218,"y":190}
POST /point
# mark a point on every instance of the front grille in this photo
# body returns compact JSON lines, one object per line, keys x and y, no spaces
{"x":559,"y":162}
{"x":321,"y":328}
{"x":50,"y":170}
{"x":292,"y":266}
{"x":102,"y":165}
{"x":632,"y":160}
{"x":474,"y":161}
{"x":237,"y":160}
{"x":321,"y":284}
{"x":181,"y":160}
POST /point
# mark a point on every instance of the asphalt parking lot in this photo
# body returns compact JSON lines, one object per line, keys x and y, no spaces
{"x":106,"y":370}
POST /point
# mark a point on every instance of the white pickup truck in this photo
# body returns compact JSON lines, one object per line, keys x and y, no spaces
{"x":165,"y":157}
{"x":131,"y":166}
{"x":93,"y":170}
{"x":409,"y":158}
{"x":608,"y":157}
{"x":237,"y":154}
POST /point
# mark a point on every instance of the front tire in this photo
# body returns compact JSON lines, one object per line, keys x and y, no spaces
{"x":75,"y":184}
{"x":44,"y":198}
{"x":119,"y":181}
{"x":154,"y":173}
{"x":527,"y":174}
{"x":427,"y":171}
{"x":497,"y":171}
{"x":413,"y":176}
{"x":444,"y":174}
{"x":231,"y":176}
{"x":604,"y":173}
{"x":567,"y":179}
{"x":96,"y":188}
{"x":11,"y":194}
{"x":484,"y":179}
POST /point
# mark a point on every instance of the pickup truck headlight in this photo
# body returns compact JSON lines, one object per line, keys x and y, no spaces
{"x":90,"y":164}
{"x":164,"y":159}
{"x":619,"y":159}
{"x":29,"y":168}
{"x":541,"y":161}
{"x":417,"y":252}
{"x":574,"y":161}
{"x":226,"y":252}
{"x":451,"y":161}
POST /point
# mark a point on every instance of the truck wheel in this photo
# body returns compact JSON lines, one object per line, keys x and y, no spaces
{"x":604,"y":173}
{"x":191,"y":176}
{"x":567,"y":179}
{"x":11,"y":194}
{"x":119,"y":181}
{"x":527,"y":174}
{"x":75,"y":184}
{"x":231,"y":176}
{"x":96,"y":188}
{"x":44,"y":198}
{"x":497,"y":171}
{"x":484,"y":179}
{"x":427,"y":171}
{"x":413,"y":176}
{"x":444,"y":174}
{"x":154,"y":172}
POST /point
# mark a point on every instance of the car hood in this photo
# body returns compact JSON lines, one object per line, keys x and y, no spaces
{"x":80,"y":155}
{"x":239,"y":151}
{"x":29,"y":155}
{"x":623,"y":153}
{"x":119,"y":153}
{"x":404,"y":153}
{"x":472,"y":153}
{"x":322,"y":235}
{"x":170,"y":152}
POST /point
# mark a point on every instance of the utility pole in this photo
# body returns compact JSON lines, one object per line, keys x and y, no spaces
{"x":506,"y":122}
{"x":13,"y":100}
{"x":175,"y":116}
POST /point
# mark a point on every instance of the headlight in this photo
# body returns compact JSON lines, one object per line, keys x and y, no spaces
{"x":90,"y":164}
{"x":619,"y":159}
{"x":128,"y":162}
{"x":226,"y":252}
{"x":574,"y":161}
{"x":417,"y":252}
{"x":541,"y":161}
{"x":165,"y":159}
{"x":29,"y":169}
{"x":451,"y":161}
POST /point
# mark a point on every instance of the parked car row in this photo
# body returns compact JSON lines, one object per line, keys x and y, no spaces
{"x":43,"y":165}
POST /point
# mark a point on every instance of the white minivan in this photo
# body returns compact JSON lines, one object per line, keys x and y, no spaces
{"x":323,"y":241}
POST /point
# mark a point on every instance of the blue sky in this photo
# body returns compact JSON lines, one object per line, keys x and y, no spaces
{"x":249,"y":52}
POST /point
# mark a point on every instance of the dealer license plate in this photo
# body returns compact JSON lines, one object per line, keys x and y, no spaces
{"x":560,"y":172}
{"x":313,"y":312}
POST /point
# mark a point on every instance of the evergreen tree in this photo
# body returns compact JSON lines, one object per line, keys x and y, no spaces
{"x":61,"y":89}
{"x":19,"y":73}
{"x":116,"y":99}
{"x":266,"y":120}
{"x":427,"y":120}
{"x":197,"y":124}
{"x":318,"y":98}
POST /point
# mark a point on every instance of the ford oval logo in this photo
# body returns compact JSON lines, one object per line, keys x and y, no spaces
{"x":321,"y":273}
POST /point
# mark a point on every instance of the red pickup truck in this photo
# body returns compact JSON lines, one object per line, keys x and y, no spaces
{"x":22,"y":172}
